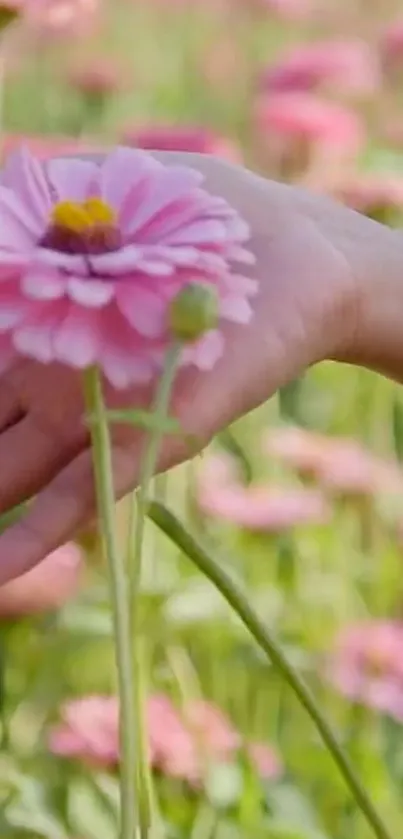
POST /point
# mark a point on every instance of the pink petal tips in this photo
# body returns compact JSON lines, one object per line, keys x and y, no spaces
{"x":93,"y":255}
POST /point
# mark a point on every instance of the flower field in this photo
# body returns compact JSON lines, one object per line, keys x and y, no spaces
{"x":300,"y":502}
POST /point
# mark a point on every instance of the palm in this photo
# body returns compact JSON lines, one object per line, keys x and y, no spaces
{"x":44,"y":442}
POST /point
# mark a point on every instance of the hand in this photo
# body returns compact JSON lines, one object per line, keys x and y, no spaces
{"x":310,"y":257}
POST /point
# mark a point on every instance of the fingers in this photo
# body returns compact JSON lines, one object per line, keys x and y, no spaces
{"x":30,"y":456}
{"x":65,"y":504}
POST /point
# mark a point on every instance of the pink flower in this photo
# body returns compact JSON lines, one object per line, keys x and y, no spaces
{"x":88,"y":731}
{"x":372,"y":194}
{"x":303,"y":116}
{"x":190,"y":138}
{"x":366,"y":666}
{"x":265,"y":508}
{"x":99,"y":77}
{"x":61,"y":17}
{"x":50,"y":145}
{"x":392,"y":44}
{"x":181,"y":745}
{"x":92,"y":255}
{"x":46,"y":587}
{"x":339,"y":464}
{"x":265,"y":760}
{"x":344,"y":65}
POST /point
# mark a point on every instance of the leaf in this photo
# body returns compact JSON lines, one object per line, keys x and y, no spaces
{"x":88,"y":814}
{"x":289,"y":807}
{"x":87,"y":621}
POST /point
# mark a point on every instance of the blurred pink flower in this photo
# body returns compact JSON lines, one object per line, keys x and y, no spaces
{"x":49,"y":145}
{"x":190,"y":138}
{"x":46,"y":587}
{"x":348,"y":66}
{"x":181,"y":745}
{"x":303,"y":116}
{"x":220,"y":494}
{"x":391,"y":45}
{"x":372,"y":194}
{"x":265,"y":760}
{"x":88,"y":731}
{"x":339,"y":464}
{"x":99,"y":77}
{"x":72,"y":229}
{"x":366,"y":666}
{"x":61,"y":17}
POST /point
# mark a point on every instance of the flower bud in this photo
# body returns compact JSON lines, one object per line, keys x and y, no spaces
{"x":194,"y":311}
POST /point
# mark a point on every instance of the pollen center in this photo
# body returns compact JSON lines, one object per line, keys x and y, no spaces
{"x":89,"y":227}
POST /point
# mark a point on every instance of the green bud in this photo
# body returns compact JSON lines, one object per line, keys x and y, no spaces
{"x":193,"y":311}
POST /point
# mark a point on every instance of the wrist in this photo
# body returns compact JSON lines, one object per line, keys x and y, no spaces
{"x":376,"y":341}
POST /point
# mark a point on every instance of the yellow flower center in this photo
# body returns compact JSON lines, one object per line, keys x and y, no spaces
{"x":79,"y":218}
{"x":89,"y":227}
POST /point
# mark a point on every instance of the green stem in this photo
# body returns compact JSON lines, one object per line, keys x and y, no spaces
{"x":137,"y":521}
{"x":103,"y":473}
{"x":173,"y":528}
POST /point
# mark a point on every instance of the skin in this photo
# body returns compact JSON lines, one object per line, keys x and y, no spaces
{"x":330,"y":288}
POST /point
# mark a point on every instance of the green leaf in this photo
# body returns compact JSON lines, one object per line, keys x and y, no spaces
{"x":88,"y":814}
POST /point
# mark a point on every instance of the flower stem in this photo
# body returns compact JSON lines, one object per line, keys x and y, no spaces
{"x":229,"y":589}
{"x":137,"y":521}
{"x":102,"y":460}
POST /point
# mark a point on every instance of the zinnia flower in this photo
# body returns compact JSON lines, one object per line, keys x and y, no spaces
{"x":341,"y":465}
{"x":303,"y":116}
{"x":366,"y":666}
{"x":181,"y":745}
{"x":89,"y":731}
{"x":392,"y":44}
{"x":191,"y":138}
{"x":46,"y":587}
{"x":344,"y":65}
{"x":98,"y":77}
{"x":376,"y":195}
{"x":92,"y":255}
{"x":221,"y":495}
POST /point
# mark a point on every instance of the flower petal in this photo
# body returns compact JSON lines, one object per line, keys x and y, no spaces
{"x":206,"y":352}
{"x":78,"y":338}
{"x":203,"y":232}
{"x":25,"y":176}
{"x":34,"y":337}
{"x":43,"y":284}
{"x":91,"y":293}
{"x":72,"y":179}
{"x":124,"y":369}
{"x":19,"y":231}
{"x":171,"y":185}
{"x":66,"y":262}
{"x":236,"y":309}
{"x":143,"y":309}
{"x":125,"y":170}
{"x":13,"y":307}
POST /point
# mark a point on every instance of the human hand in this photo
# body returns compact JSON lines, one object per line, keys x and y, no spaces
{"x":312,"y":256}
